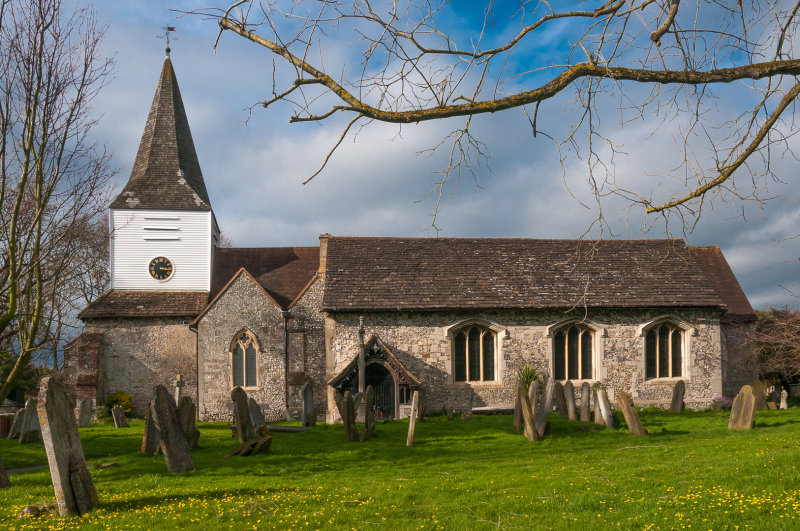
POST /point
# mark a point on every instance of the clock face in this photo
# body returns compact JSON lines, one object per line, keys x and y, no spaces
{"x":160,"y":268}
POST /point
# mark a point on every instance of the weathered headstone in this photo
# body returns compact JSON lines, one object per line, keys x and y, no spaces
{"x":174,"y":445}
{"x":369,"y":414}
{"x":85,"y":412}
{"x":561,"y":400}
{"x":309,"y":414}
{"x":586,"y":392}
{"x":347,"y":410}
{"x":569,"y":394}
{"x":784,"y":397}
{"x":605,"y":408}
{"x":527,"y":412}
{"x":678,"y":392}
{"x":16,"y":424}
{"x":545,"y":407}
{"x":743,"y":410}
{"x":631,"y":416}
{"x":241,"y":413}
{"x":72,"y":483}
{"x":150,"y":438}
{"x":533,"y":399}
{"x":598,"y":415}
{"x":256,"y":414}
{"x":772,"y":406}
{"x":4,"y":481}
{"x":187,"y":413}
{"x":30,"y":430}
{"x":412,"y":419}
{"x":518,"y":420}
{"x":120,"y":421}
{"x":758,"y":393}
{"x":179,"y":385}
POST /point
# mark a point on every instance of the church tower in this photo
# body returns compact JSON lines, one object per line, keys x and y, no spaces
{"x":163,"y":230}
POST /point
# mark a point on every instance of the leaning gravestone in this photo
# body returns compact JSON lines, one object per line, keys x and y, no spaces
{"x":30,"y":430}
{"x":85,"y":412}
{"x":743,"y":410}
{"x":150,"y":438}
{"x":4,"y":481}
{"x":758,"y":393}
{"x":241,"y":413}
{"x":605,"y":408}
{"x":631,"y":416}
{"x":412,"y":419}
{"x":586,"y":391}
{"x":16,"y":425}
{"x":72,"y":483}
{"x":527,"y":410}
{"x":678,"y":392}
{"x":120,"y":420}
{"x":569,"y":394}
{"x":598,"y":415}
{"x":561,"y":400}
{"x":545,"y":407}
{"x":309,"y":414}
{"x":784,"y":397}
{"x":256,"y":415}
{"x":347,"y":410}
{"x":369,"y":414}
{"x":518,"y":420}
{"x":187,"y":413}
{"x":174,"y":445}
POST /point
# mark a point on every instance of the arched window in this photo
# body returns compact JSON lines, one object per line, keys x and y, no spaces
{"x":663,"y":351}
{"x":573,"y":353}
{"x":244,"y":353}
{"x":474,"y":354}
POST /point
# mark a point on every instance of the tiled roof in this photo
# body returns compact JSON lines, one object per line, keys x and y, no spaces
{"x":166,"y":174}
{"x":366,"y":274}
{"x":719,"y":274}
{"x":142,"y":303}
{"x":282,"y":271}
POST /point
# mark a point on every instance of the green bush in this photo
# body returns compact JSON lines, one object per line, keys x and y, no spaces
{"x":528,"y":375}
{"x":123,"y":400}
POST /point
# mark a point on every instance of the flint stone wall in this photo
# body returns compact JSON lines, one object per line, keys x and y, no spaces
{"x":307,"y":349}
{"x":740,"y":366}
{"x":420,"y":341}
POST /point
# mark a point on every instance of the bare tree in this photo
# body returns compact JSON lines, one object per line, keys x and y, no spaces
{"x":645,"y":58}
{"x":54,"y":180}
{"x":775,"y":342}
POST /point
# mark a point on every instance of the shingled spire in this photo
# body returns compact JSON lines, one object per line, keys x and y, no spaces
{"x":166,"y":174}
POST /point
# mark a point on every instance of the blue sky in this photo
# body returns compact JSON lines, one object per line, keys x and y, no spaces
{"x":374,"y":185}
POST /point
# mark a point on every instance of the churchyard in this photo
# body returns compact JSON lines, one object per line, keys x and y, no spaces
{"x":476,"y":473}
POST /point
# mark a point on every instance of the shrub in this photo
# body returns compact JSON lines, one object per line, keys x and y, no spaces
{"x":528,"y":375}
{"x":123,"y":400}
{"x":721,"y":402}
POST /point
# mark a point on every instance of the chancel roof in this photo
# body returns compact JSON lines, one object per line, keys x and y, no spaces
{"x":166,"y":173}
{"x":364,"y":274}
{"x":719,"y":274}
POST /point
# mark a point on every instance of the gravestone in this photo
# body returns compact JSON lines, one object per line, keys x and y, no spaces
{"x":4,"y":481}
{"x":347,"y":410}
{"x":784,"y":397}
{"x":30,"y":430}
{"x":569,"y":394}
{"x":758,"y":393}
{"x":151,"y":439}
{"x":605,"y":408}
{"x":533,"y":398}
{"x":772,"y":406}
{"x":631,"y":416}
{"x":518,"y":420}
{"x":187,"y":413}
{"x":561,"y":400}
{"x":527,"y":411}
{"x":678,"y":392}
{"x":586,"y":392}
{"x":412,"y":419}
{"x":120,"y":421}
{"x":309,"y":414}
{"x":85,"y":412}
{"x":369,"y":414}
{"x":179,"y":385}
{"x":241,"y":415}
{"x":545,"y":407}
{"x":16,"y":424}
{"x":743,"y":410}
{"x":256,"y":414}
{"x":598,"y":415}
{"x":72,"y":483}
{"x":174,"y":445}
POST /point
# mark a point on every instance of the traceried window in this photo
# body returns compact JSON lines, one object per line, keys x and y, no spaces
{"x":244,"y":354}
{"x":663,"y":349}
{"x":474,"y":349}
{"x":572,"y":353}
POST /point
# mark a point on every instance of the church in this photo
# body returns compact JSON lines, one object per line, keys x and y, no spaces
{"x":455,"y":318}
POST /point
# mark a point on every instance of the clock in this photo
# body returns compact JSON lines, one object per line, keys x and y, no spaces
{"x":160,"y":268}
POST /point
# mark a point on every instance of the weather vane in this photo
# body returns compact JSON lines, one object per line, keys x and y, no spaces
{"x":167,"y":30}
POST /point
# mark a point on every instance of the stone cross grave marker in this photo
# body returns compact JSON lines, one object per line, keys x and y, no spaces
{"x":4,"y":481}
{"x":678,"y":392}
{"x":598,"y":415}
{"x":743,"y":410}
{"x":85,"y":412}
{"x":605,"y":408}
{"x":179,"y":385}
{"x":784,"y":397}
{"x":561,"y":400}
{"x":758,"y":393}
{"x":187,"y":413}
{"x":545,"y":407}
{"x":174,"y":445}
{"x":586,"y":392}
{"x":120,"y":421}
{"x":30,"y":429}
{"x":151,"y":439}
{"x":309,"y":414}
{"x":631,"y":416}
{"x":369,"y":414}
{"x":72,"y":483}
{"x":569,"y":394}
{"x":412,"y":419}
{"x":256,"y":415}
{"x":241,"y":412}
{"x":16,"y":424}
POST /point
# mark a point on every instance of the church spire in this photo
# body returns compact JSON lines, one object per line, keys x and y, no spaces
{"x":166,"y":174}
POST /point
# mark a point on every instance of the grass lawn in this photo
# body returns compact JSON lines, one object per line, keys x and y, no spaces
{"x":691,"y":472}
